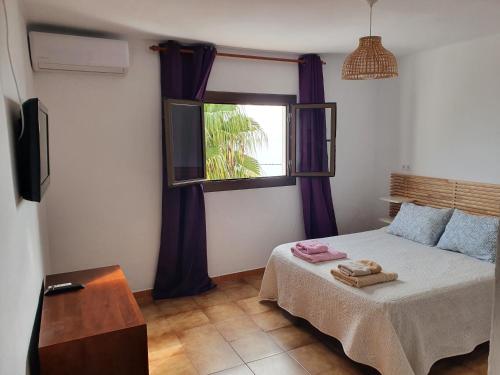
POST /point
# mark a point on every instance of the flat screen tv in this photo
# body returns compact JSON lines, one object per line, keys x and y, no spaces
{"x":33,"y":151}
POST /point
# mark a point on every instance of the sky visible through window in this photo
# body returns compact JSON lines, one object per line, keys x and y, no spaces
{"x":271,"y":156}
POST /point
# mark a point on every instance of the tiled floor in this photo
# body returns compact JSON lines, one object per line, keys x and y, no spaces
{"x":227,"y":331}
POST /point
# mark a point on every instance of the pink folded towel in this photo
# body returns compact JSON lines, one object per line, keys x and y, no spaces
{"x":320,"y":257}
{"x":311,"y":247}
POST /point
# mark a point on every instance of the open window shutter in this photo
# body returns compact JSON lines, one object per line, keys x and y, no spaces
{"x":313,"y":139}
{"x":185,"y":142}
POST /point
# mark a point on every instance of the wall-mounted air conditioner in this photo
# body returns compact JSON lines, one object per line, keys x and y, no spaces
{"x":77,"y":53}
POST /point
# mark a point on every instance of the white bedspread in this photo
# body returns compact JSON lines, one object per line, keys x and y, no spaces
{"x":441,"y":305}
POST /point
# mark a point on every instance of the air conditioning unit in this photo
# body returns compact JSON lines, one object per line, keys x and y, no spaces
{"x":78,"y":53}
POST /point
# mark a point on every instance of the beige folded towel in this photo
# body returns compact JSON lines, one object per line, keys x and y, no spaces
{"x":362,"y":281}
{"x":359,"y":267}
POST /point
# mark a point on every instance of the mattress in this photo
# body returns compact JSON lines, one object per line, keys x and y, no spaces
{"x":440,"y":306}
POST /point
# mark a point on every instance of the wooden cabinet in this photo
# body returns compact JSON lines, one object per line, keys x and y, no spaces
{"x":96,"y":330}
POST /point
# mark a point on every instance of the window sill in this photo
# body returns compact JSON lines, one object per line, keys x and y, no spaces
{"x":248,"y":183}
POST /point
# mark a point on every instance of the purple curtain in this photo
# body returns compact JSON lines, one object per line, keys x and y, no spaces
{"x":317,"y":204}
{"x":182,"y":262}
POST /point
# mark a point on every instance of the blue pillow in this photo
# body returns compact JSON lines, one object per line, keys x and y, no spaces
{"x":472,"y":235}
{"x":420,"y":223}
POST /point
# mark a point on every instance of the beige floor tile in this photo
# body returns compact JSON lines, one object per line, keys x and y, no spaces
{"x":222,"y":312}
{"x":255,"y":346}
{"x":211,"y":298}
{"x":236,"y":328}
{"x":178,"y":364}
{"x":240,"y":370}
{"x":187,"y":320}
{"x":158,"y":326}
{"x":277,"y":364}
{"x":292,"y":337}
{"x":241,"y":292}
{"x":253,"y":305}
{"x":207,"y":350}
{"x":163,"y":346}
{"x":150,"y":311}
{"x":223,"y":285}
{"x":271,"y":320}
{"x":317,"y":358}
{"x":176,"y":305}
{"x":255,"y":281}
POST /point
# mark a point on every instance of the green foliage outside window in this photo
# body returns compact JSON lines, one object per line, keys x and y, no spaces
{"x":231,"y":137}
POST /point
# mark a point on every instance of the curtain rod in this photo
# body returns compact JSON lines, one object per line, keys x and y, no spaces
{"x":238,"y":56}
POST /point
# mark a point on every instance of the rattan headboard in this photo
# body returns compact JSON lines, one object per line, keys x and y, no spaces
{"x":472,"y":197}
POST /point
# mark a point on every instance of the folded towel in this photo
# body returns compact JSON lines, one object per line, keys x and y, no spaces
{"x":359,"y":268}
{"x":311,"y":247}
{"x":362,"y":281}
{"x":321,"y":257}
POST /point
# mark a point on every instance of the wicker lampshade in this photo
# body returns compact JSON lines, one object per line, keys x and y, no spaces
{"x":370,"y":61}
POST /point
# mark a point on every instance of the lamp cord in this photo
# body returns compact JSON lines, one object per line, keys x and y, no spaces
{"x":371,"y":3}
{"x":12,"y":67}
{"x":371,"y":11}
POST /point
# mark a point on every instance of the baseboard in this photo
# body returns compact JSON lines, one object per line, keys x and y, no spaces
{"x":237,"y":275}
{"x":145,"y":296}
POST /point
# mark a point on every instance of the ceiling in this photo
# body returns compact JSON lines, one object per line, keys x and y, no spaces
{"x":297,"y":26}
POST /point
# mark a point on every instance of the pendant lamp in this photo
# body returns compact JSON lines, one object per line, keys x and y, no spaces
{"x":370,"y":60}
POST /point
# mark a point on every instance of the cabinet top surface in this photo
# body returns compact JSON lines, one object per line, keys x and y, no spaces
{"x":106,"y":304}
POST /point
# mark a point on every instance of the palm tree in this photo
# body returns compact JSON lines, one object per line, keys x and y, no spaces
{"x":231,"y":136}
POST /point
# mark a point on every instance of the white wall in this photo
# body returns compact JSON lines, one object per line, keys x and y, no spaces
{"x":244,"y":226}
{"x":367,"y":145}
{"x":105,"y":197}
{"x":449,"y":111}
{"x":105,"y":193}
{"x":451,"y":121}
{"x":23,"y":234}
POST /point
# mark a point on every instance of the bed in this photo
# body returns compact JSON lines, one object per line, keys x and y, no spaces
{"x":440,"y":306}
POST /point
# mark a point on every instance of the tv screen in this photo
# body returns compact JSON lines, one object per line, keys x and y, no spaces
{"x":33,"y":151}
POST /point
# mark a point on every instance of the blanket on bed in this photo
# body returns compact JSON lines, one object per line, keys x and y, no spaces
{"x":440,"y":306}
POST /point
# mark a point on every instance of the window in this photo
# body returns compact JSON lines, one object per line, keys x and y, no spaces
{"x":313,"y":147}
{"x":243,"y":141}
{"x":246,"y":140}
{"x":185,"y":147}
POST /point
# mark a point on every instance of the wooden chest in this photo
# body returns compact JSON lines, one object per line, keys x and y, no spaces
{"x":96,"y":330}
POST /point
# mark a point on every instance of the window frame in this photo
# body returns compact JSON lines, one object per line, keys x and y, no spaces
{"x":167,"y":123}
{"x":333,"y":141}
{"x":225,"y":97}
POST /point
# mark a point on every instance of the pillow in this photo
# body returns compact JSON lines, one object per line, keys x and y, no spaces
{"x":472,"y":235}
{"x":420,"y":223}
